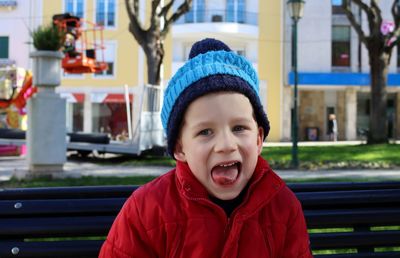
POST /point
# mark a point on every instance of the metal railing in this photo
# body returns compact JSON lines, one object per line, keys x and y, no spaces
{"x":203,"y":16}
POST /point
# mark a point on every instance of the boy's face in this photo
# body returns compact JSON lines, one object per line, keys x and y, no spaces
{"x":220,"y":140}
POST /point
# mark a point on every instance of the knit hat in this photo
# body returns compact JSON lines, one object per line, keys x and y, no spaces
{"x":212,"y":67}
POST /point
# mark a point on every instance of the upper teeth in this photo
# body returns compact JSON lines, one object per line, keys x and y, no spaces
{"x":228,"y":165}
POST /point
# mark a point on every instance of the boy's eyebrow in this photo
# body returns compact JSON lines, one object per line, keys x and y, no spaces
{"x":236,"y":120}
{"x":244,"y":119}
{"x":200,"y":125}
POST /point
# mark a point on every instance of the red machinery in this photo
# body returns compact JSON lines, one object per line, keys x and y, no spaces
{"x":83,"y":54}
{"x":83,"y":48}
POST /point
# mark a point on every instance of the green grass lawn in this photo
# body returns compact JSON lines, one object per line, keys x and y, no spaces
{"x":314,"y":157}
{"x":339,"y":156}
{"x":338,"y":153}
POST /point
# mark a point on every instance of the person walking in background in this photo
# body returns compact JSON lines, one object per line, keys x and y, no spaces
{"x":332,"y":128}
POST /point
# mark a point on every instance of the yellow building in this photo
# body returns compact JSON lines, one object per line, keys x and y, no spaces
{"x":251,"y":28}
{"x":94,"y":99}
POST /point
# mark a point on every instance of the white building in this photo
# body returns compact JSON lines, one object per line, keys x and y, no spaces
{"x":334,"y":71}
{"x":18,"y":19}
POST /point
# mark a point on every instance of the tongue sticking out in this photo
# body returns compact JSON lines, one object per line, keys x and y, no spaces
{"x":225,"y":175}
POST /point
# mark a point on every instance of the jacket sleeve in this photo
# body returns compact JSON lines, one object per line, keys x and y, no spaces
{"x":127,"y":236}
{"x":297,"y":243}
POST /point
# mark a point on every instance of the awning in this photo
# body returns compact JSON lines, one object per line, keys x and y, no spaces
{"x":73,"y":97}
{"x":116,"y":98}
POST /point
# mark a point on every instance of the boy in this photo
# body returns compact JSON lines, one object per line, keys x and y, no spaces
{"x":222,"y":199}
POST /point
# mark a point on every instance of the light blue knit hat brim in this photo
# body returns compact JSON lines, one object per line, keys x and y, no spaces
{"x":201,"y":66}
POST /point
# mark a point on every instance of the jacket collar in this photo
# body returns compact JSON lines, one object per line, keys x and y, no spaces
{"x":263,"y":186}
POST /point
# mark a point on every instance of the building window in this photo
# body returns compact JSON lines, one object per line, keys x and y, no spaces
{"x":197,"y":12}
{"x":337,"y":7}
{"x":341,"y":46}
{"x":105,"y":13}
{"x":241,"y":11}
{"x":4,"y":47}
{"x":109,"y":58}
{"x":74,"y":7}
{"x":236,"y":11}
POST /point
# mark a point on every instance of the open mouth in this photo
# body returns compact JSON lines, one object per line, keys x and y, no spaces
{"x":226,"y":173}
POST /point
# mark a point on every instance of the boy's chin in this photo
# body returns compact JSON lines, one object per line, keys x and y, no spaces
{"x":226,"y":196}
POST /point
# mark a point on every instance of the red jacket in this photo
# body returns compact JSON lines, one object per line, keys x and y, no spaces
{"x":172,"y":216}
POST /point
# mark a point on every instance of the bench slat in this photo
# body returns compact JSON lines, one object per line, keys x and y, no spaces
{"x":354,"y":199}
{"x":355,"y":239}
{"x":72,"y":192}
{"x":55,"y":226}
{"x":342,"y":186}
{"x":360,"y":255}
{"x":352,"y":217}
{"x":76,"y":249}
{"x":61,"y":206}
{"x":125,"y":191}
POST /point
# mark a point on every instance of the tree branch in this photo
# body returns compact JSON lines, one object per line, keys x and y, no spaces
{"x":154,"y":20}
{"x":134,"y":26}
{"x":182,"y":9}
{"x":377,"y":13}
{"x":367,"y":11}
{"x":165,"y":9}
{"x":356,"y":25}
{"x":136,"y":7}
{"x":375,"y":8}
{"x":395,"y":13}
{"x":362,"y":5}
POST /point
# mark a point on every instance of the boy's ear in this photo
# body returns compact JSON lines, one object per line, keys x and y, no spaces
{"x":178,"y":152}
{"x":260,"y":139}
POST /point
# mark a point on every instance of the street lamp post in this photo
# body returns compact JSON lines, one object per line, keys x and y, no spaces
{"x":296,"y":8}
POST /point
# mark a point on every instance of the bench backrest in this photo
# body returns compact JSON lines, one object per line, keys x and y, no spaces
{"x":73,"y":221}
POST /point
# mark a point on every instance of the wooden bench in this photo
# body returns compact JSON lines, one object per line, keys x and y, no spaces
{"x":74,"y":221}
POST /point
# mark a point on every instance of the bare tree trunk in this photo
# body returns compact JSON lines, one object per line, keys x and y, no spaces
{"x":151,"y":37}
{"x":154,"y":62}
{"x":154,"y":50}
{"x":379,"y":62}
{"x":380,"y":41}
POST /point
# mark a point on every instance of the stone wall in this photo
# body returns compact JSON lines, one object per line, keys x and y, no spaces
{"x":311,"y":112}
{"x":341,"y":115}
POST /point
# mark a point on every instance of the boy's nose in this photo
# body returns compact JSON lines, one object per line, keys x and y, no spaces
{"x":225,"y":142}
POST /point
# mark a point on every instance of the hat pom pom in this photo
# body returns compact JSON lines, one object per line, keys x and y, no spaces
{"x":206,"y":45}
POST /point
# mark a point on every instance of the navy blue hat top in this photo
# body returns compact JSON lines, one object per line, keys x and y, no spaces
{"x":206,"y":45}
{"x":212,"y":67}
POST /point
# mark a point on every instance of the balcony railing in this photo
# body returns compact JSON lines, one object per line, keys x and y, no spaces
{"x":202,"y":16}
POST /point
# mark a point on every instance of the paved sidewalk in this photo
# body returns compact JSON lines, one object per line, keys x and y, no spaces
{"x":18,"y":166}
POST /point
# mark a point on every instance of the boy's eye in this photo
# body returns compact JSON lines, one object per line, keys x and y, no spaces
{"x":205,"y":132}
{"x":238,"y":128}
